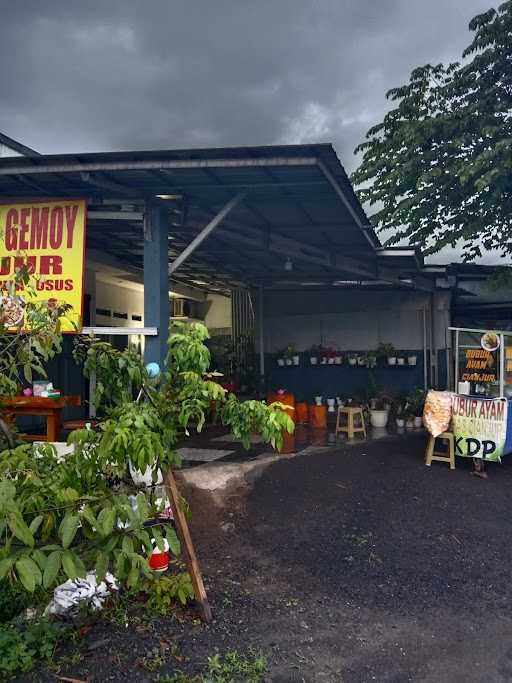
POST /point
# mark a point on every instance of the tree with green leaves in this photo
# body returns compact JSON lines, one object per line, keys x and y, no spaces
{"x":439,"y":166}
{"x":62,"y":517}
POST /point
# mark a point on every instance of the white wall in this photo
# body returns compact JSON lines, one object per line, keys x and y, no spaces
{"x":219,"y":313}
{"x":119,"y":299}
{"x":350,"y":320}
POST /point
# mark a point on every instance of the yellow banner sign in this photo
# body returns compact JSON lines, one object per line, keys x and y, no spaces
{"x":49,"y":237}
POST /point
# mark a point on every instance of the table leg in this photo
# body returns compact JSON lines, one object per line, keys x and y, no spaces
{"x":53,"y":426}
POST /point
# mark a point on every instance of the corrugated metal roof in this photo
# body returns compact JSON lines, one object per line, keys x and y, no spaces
{"x":299,"y":204}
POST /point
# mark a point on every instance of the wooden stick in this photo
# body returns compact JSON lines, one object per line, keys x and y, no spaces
{"x":187,"y":546}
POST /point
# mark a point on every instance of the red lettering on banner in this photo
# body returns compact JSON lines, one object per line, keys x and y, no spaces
{"x":30,"y":262}
{"x":71,"y":213}
{"x":50,"y":265}
{"x":56,"y":227}
{"x":69,"y":285}
{"x":39,"y":228}
{"x":5,"y":265}
{"x":11,"y":235}
{"x":24,"y":228}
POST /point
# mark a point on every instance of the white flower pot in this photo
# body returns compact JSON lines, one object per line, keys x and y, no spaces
{"x":339,"y":402}
{"x":296,"y":360}
{"x":379,"y":418}
{"x":330,"y":405}
{"x":409,"y":423}
{"x":323,"y":361}
{"x":330,"y":361}
{"x":352,"y":361}
{"x":391,"y":360}
{"x":361,"y":360}
{"x":144,"y":478}
{"x":418,"y":421}
{"x":313,"y":360}
{"x":412,"y":360}
{"x":280,"y":361}
{"x":401,"y":361}
{"x":289,"y":361}
{"x":400,"y":423}
{"x":337,"y":360}
{"x":318,"y":400}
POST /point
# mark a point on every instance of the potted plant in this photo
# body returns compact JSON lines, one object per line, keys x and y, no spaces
{"x":412,"y":360}
{"x":318,"y":400}
{"x":331,"y":354}
{"x":416,"y":400}
{"x":361,"y":360}
{"x":314,"y":353}
{"x":281,"y":358}
{"x":338,"y":358}
{"x":400,"y":360}
{"x":352,"y":359}
{"x":379,"y":412}
{"x":387,"y":353}
{"x":371,"y":359}
{"x":330,"y":405}
{"x":289,"y":354}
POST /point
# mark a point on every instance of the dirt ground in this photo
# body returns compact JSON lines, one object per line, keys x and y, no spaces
{"x":353,"y":565}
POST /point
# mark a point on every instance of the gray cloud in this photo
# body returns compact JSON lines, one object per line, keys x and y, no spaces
{"x":91,"y":75}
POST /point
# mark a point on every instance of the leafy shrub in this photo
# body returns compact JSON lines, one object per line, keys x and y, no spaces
{"x":20,"y":647}
{"x":59,"y":519}
{"x":163,"y":591}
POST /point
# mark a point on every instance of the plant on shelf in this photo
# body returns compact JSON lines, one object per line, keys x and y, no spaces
{"x":371,"y":359}
{"x":352,"y":358}
{"x":338,"y":357}
{"x":315,"y":353}
{"x":61,"y":518}
{"x":386,"y":353}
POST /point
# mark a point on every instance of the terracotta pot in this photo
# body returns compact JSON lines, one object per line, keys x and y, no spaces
{"x":288,"y":443}
{"x":318,"y":417}
{"x":301,"y":413}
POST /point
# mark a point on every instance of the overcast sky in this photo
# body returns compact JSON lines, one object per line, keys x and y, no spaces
{"x":91,"y":75}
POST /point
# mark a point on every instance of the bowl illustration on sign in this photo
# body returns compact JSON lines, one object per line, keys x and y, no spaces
{"x":11,"y":311}
{"x":490,"y":341}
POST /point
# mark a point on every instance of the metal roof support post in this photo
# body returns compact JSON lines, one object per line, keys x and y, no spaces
{"x":189,"y":250}
{"x":156,"y":282}
{"x":261,"y":336}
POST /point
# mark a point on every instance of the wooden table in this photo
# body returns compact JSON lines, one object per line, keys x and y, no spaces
{"x":51,"y":408}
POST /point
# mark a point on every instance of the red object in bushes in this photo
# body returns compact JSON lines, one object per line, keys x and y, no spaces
{"x":158,"y":561}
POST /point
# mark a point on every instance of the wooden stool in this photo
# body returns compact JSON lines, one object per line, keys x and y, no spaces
{"x":350,"y":427}
{"x":443,"y":456}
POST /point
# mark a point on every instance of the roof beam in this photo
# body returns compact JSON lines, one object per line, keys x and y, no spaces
{"x":149,"y":165}
{"x":215,"y":221}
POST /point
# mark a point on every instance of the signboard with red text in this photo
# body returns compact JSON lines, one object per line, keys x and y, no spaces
{"x":49,"y":237}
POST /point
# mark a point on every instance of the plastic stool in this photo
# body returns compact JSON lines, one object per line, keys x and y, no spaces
{"x":350,"y":427}
{"x":443,"y":456}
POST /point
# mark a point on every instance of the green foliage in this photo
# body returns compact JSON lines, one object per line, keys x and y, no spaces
{"x":61,"y":518}
{"x":438,"y":165}
{"x":26,"y":347}
{"x":251,"y":417}
{"x":22,"y":646}
{"x":119,"y":374}
{"x":163,"y":591}
{"x":233,"y":667}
